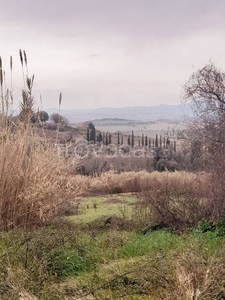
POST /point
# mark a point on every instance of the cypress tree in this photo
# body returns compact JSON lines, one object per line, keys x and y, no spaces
{"x":175,"y":146}
{"x":167,"y":143}
{"x":110,"y":138}
{"x":149,"y":142}
{"x":88,"y":134}
{"x":121,"y":139}
{"x":142,"y":140}
{"x":99,"y":138}
{"x":160,"y":141}
{"x":128,"y":140}
{"x":118,"y":138}
{"x":156,"y":141}
{"x":146,"y":141}
{"x":91,"y":129}
{"x":93,"y":137}
{"x":132,"y":139}
{"x":106,"y":139}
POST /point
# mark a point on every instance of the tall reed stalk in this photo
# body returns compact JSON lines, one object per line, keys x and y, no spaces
{"x":59,"y":121}
{"x":34,"y":183}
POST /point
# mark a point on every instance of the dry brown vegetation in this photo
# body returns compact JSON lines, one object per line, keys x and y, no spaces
{"x":35,"y":183}
{"x":176,"y":200}
{"x":113,"y":182}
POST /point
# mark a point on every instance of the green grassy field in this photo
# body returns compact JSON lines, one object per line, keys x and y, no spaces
{"x":102,"y":252}
{"x":93,"y":208}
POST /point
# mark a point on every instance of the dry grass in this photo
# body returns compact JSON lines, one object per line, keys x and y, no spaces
{"x":35,"y":183}
{"x":111,"y":182}
{"x":177,"y":200}
{"x":198,"y":277}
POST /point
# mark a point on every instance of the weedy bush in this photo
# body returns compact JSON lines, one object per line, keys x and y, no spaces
{"x":177,"y":203}
{"x":209,"y":226}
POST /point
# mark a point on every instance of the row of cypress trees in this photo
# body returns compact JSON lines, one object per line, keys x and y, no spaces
{"x":144,"y":141}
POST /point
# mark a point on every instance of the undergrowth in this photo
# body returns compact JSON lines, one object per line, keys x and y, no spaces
{"x":62,"y":261}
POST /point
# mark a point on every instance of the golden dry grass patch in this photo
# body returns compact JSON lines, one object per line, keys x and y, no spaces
{"x":35,"y":183}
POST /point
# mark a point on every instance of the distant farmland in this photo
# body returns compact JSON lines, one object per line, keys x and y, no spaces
{"x":126,"y":126}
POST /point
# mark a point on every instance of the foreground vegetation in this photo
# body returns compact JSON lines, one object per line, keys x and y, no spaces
{"x":127,"y":235}
{"x":116,"y":246}
{"x":113,"y":257}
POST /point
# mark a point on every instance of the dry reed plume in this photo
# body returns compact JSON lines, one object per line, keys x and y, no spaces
{"x":35,"y":183}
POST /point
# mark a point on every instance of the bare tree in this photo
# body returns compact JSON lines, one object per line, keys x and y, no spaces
{"x":206,"y":90}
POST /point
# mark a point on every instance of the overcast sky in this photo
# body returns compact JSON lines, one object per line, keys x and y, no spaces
{"x":111,"y":53}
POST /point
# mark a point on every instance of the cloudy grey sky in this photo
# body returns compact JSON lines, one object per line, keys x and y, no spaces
{"x":112,"y":53}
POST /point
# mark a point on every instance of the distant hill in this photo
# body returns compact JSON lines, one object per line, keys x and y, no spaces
{"x":142,"y":113}
{"x":117,"y":121}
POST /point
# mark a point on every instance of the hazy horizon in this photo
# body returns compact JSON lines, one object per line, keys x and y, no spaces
{"x":119,"y":53}
{"x":120,"y":107}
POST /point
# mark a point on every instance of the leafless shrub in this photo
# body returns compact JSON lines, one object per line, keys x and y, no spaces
{"x":206,"y":90}
{"x":176,"y":204}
